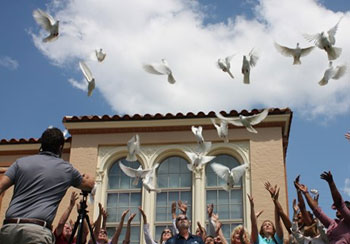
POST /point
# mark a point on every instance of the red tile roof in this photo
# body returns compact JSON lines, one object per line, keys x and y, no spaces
{"x":158,"y":116}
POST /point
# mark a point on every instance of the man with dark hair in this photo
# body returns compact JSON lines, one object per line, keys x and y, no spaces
{"x":184,"y":236}
{"x":40,"y":182}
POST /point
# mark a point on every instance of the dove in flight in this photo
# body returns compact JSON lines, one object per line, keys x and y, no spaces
{"x":197,"y":160}
{"x":88,"y":76}
{"x":247,"y":64}
{"x":224,"y":65}
{"x":134,"y":173}
{"x":100,"y":55}
{"x":332,"y":73}
{"x":246,"y":121}
{"x":47,"y":22}
{"x":221,"y":128}
{"x":296,"y":53}
{"x":133,"y":148}
{"x":148,"y":180}
{"x":160,"y":69}
{"x":231,"y":177}
{"x":326,"y":41}
{"x":204,"y":146}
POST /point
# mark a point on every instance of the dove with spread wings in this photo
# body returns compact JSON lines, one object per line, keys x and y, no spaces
{"x":230,"y":176}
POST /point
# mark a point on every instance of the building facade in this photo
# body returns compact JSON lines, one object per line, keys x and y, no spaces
{"x":98,"y":143}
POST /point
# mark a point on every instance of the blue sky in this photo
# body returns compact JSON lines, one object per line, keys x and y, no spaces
{"x":36,"y":92}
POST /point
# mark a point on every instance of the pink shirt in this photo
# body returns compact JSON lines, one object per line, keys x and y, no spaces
{"x":338,"y":231}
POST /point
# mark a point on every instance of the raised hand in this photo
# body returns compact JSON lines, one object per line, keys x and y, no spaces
{"x":295,"y":206}
{"x":125,"y":213}
{"x":251,"y":200}
{"x":182,"y":206}
{"x":131,"y":217}
{"x":327,"y":176}
{"x":272,"y":190}
{"x":73,"y":198}
{"x":210,"y":208}
{"x":296,"y":181}
{"x":259,"y":213}
{"x":143,"y":215}
{"x":301,"y":187}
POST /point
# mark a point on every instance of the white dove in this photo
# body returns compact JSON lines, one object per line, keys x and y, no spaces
{"x":134,"y":173}
{"x":296,"y":53}
{"x":246,"y":121}
{"x":326,"y":42}
{"x":204,"y":146}
{"x":222,"y":129}
{"x":46,"y":21}
{"x":224,"y":65}
{"x":232,"y":176}
{"x":88,"y":76}
{"x":100,"y":55}
{"x":253,"y":58}
{"x":133,"y":148}
{"x":332,"y":73}
{"x":197,"y":160}
{"x":160,"y":69}
{"x":148,"y":180}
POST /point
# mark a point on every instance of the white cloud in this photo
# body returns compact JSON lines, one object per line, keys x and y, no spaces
{"x":347,"y":186}
{"x":135,"y":32}
{"x":80,"y":85}
{"x":8,"y":63}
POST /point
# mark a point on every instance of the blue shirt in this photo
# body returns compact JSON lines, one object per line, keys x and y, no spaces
{"x":264,"y":240}
{"x":178,"y":239}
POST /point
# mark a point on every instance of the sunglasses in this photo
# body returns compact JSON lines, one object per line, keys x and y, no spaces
{"x":181,"y":218}
{"x":103,"y":232}
{"x":166,"y":231}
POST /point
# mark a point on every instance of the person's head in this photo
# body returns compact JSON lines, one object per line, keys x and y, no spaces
{"x":235,"y":235}
{"x":209,"y":240}
{"x":182,"y":222}
{"x":102,"y":236}
{"x":337,"y":213}
{"x":67,"y":230}
{"x":300,"y":219}
{"x":217,"y":240}
{"x":166,"y":234}
{"x":267,"y":229}
{"x":52,"y":140}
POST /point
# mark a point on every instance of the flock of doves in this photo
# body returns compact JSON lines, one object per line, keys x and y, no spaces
{"x":323,"y":40}
{"x":199,"y":158}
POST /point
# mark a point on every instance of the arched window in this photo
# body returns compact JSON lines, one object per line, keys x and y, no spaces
{"x":229,"y":205}
{"x":122,"y":195}
{"x":175,"y":181}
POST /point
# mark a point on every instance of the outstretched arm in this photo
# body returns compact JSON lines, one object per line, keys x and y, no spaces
{"x":128,"y":227}
{"x":116,"y":235}
{"x":146,"y":231}
{"x":173,"y":216}
{"x":104,"y":219}
{"x":254,"y":232}
{"x":325,"y":220}
{"x":306,"y":217}
{"x":97,"y":223}
{"x":274,"y":195}
{"x":337,"y":198}
{"x":66,"y":213}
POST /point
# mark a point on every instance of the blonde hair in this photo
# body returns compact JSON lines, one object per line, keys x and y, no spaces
{"x":237,"y":229}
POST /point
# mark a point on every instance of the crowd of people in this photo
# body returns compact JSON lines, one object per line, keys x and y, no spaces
{"x":35,"y":202}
